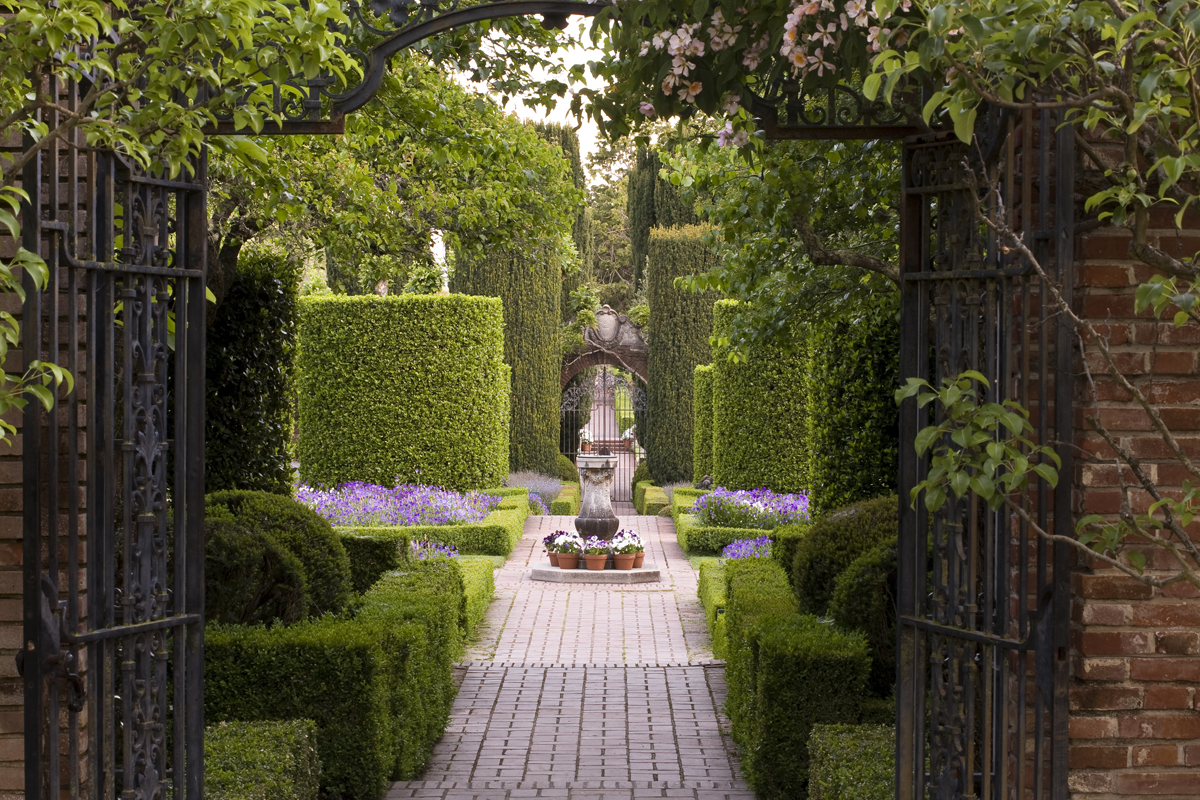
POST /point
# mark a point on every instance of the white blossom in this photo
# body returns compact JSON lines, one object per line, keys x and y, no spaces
{"x":689,"y":91}
{"x":644,"y":50}
{"x":660,"y":39}
{"x":725,"y":135}
{"x":731,"y":103}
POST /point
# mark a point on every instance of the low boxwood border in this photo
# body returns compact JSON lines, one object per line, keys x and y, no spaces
{"x":711,"y":589}
{"x":653,"y":500}
{"x":567,"y":502}
{"x":852,"y":762}
{"x":479,"y":587}
{"x":261,"y":760}
{"x":495,"y":535}
{"x":697,"y":539}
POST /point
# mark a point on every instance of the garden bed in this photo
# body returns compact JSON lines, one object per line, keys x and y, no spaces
{"x":496,"y":535}
{"x":567,"y":502}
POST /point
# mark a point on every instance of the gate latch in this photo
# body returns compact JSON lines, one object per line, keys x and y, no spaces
{"x":54,"y":661}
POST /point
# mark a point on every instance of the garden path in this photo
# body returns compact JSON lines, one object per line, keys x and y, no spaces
{"x":586,"y":691}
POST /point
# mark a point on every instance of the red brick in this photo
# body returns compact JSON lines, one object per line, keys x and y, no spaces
{"x":1106,"y":245}
{"x":1155,"y":755}
{"x":1104,"y":275}
{"x":1104,"y":613}
{"x":1180,"y":420}
{"x":1103,"y":698}
{"x":1112,"y":587}
{"x":1176,"y":392}
{"x":1191,"y":755}
{"x":1144,"y":726}
{"x":1103,"y":669}
{"x":1089,"y":782}
{"x":1109,"y":757}
{"x":1158,"y":783}
{"x":1167,"y":697}
{"x":1154,"y":615}
{"x":1103,"y":643}
{"x":1129,"y":364}
{"x":1093,"y":727}
{"x":1173,"y":363}
{"x":1180,"y":589}
{"x":1177,"y":643}
{"x":1119,"y":419}
{"x":1164,"y":669}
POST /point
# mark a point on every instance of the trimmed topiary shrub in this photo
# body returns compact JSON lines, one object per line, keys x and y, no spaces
{"x":528,"y":283}
{"x":410,"y":389}
{"x":249,"y":577}
{"x":373,"y":552}
{"x":853,"y":421}
{"x":683,"y":498}
{"x":711,"y":589}
{"x":479,"y":587}
{"x":834,"y":541}
{"x":758,"y":414}
{"x":852,"y":762}
{"x":787,"y":539}
{"x":640,"y":474}
{"x":567,"y":502}
{"x":698,"y":539}
{"x":250,"y":375}
{"x":564,"y":469}
{"x":653,"y":500}
{"x":680,"y":325}
{"x":299,"y":529}
{"x":261,"y":761}
{"x":496,"y":535}
{"x":702,"y":419}
{"x":864,"y":600}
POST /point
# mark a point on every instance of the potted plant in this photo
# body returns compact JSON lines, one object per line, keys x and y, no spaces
{"x":569,"y":546}
{"x":595,"y":553}
{"x":625,"y":547}
{"x":551,"y":547}
{"x":585,"y":440}
{"x":628,"y":438}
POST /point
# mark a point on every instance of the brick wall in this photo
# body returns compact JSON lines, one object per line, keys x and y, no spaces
{"x":1135,"y":715}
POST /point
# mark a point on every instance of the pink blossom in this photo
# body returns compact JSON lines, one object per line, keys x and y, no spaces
{"x":725,"y":135}
{"x":741,"y":139}
{"x":647,"y":109}
{"x":689,"y":91}
{"x":731,"y":103}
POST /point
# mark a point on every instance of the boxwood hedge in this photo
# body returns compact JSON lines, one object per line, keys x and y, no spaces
{"x":261,"y":761}
{"x":834,"y":541}
{"x":568,"y":500}
{"x":496,"y":535}
{"x":702,"y":419}
{"x":711,"y":589}
{"x":410,"y":388}
{"x":697,"y":539}
{"x":852,"y":762}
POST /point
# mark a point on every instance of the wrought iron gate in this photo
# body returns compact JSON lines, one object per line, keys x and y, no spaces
{"x":984,"y":605}
{"x":114,"y":480}
{"x":608,"y":408}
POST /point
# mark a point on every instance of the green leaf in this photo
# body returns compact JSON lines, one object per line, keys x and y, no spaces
{"x":926,"y":437}
{"x":1049,"y":474}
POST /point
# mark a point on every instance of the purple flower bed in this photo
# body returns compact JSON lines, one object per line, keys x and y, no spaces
{"x":753,"y":508}
{"x":365,"y":505}
{"x":747,"y":548}
{"x":535,"y":501}
{"x":423,"y":551}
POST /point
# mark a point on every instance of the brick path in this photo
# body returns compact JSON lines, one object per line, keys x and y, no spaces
{"x":588,"y":692}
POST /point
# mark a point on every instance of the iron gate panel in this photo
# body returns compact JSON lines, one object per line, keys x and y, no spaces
{"x":114,"y":480}
{"x":611,"y":407}
{"x":983,"y":604}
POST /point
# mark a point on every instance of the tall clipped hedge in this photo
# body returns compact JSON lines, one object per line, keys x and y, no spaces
{"x":853,"y":422}
{"x":651,"y":202}
{"x":250,"y":375}
{"x":702,"y":418}
{"x":528,"y":285}
{"x":759,"y":426}
{"x":680,"y":325}
{"x":410,"y":388}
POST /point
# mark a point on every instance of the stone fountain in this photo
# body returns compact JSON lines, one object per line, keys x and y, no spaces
{"x":596,"y":517}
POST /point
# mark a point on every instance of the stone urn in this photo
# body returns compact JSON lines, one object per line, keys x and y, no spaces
{"x":596,"y":517}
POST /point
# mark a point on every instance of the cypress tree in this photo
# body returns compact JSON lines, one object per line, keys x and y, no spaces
{"x":640,"y":208}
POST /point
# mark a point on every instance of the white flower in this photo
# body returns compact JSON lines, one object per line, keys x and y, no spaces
{"x":689,"y":91}
{"x":644,"y":49}
{"x":695,"y":47}
{"x":731,"y":103}
{"x":681,"y":66}
{"x":678,"y":44}
{"x":796,"y":57}
{"x":659,"y":40}
{"x":817,"y":61}
{"x":857,"y":10}
{"x":647,"y":109}
{"x":669,"y":82}
{"x":877,"y":37}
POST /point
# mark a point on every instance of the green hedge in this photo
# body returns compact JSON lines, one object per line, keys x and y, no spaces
{"x":787,"y":540}
{"x":567,"y":502}
{"x":496,"y":535}
{"x":758,"y":414}
{"x":864,"y":600}
{"x":852,"y":762}
{"x":786,"y":672}
{"x":697,"y":539}
{"x":250,"y":375}
{"x":853,"y":421}
{"x":683,"y":498}
{"x":529,"y":284}
{"x":711,"y":589}
{"x":479,"y":587}
{"x":653,"y":500}
{"x":834,"y":541}
{"x":249,"y":577}
{"x":373,"y":552}
{"x":639,"y":493}
{"x":410,"y":388}
{"x":640,"y":473}
{"x":564,"y":469}
{"x":292,"y":526}
{"x":261,"y":761}
{"x":702,"y":420}
{"x":680,"y":325}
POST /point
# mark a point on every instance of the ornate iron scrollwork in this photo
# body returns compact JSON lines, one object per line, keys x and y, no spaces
{"x":788,"y":110}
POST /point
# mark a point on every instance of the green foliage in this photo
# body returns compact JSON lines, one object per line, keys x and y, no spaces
{"x":702,"y":420}
{"x":864,"y":600}
{"x":261,"y":761}
{"x":680,"y":325}
{"x":564,"y":469}
{"x":528,"y":282}
{"x":683,"y":498}
{"x":567,"y":139}
{"x":496,"y":534}
{"x":250,"y":376}
{"x":640,"y":473}
{"x":834,"y":541}
{"x":697,"y":539}
{"x":787,"y":541}
{"x":249,"y":577}
{"x":373,"y":552}
{"x":303,"y":532}
{"x":853,"y":423}
{"x":852,"y":762}
{"x":479,"y":587}
{"x":759,"y":414}
{"x":711,"y":589}
{"x":651,"y":202}
{"x":651,"y":499}
{"x":568,"y":500}
{"x":409,"y":389}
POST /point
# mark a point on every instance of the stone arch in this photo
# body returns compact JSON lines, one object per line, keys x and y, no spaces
{"x":614,"y":340}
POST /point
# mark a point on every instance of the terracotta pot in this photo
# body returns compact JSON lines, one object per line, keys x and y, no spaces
{"x":568,"y":560}
{"x":596,"y":562}
{"x":586,"y":447}
{"x":624,"y":561}
{"x":554,"y":559}
{"x":638,"y":558}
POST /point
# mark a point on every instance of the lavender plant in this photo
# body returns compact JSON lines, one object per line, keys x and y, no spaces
{"x":747,"y":548}
{"x":750,"y":508}
{"x":538,"y":506}
{"x":424,"y":551}
{"x":544,"y":486}
{"x":366,"y":504}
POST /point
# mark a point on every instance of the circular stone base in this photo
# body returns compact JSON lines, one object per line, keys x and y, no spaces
{"x":647,"y":573}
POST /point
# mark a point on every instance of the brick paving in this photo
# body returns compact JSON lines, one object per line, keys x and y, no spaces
{"x":588,"y":691}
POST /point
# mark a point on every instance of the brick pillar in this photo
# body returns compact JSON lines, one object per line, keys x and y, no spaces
{"x":1135,"y":717}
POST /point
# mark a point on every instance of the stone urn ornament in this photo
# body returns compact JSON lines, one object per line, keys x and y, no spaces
{"x":596,"y":517}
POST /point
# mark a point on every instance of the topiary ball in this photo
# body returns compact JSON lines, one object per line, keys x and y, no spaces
{"x":864,"y":599}
{"x":834,"y":541}
{"x":565,"y":469}
{"x":249,"y":577}
{"x":304,"y":533}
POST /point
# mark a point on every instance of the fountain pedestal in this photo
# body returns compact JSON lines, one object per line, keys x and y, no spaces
{"x":596,"y":517}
